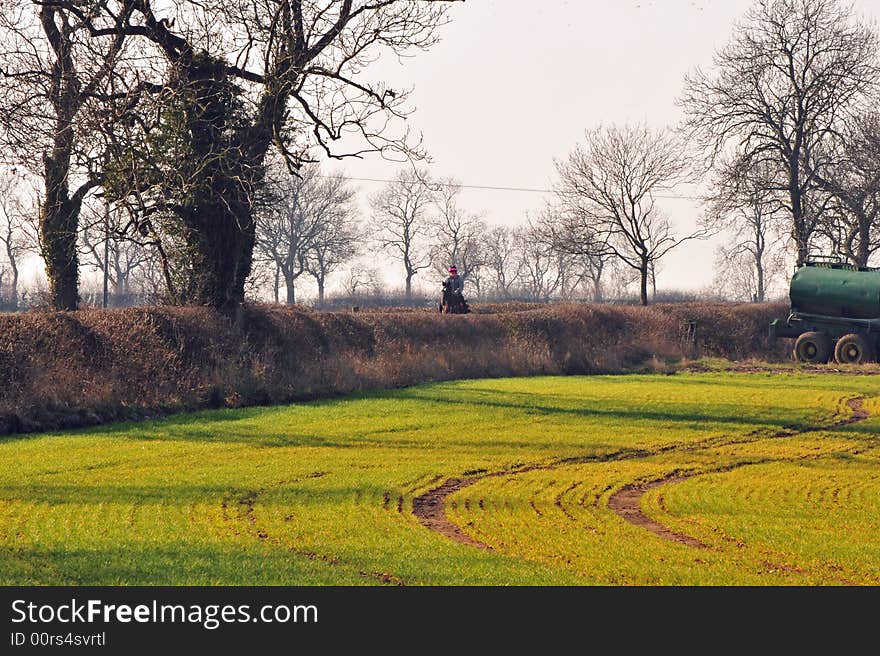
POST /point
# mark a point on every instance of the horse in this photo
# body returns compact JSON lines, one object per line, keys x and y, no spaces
{"x":452,"y":302}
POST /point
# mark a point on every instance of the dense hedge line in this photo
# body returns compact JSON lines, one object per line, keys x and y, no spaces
{"x":72,"y":369}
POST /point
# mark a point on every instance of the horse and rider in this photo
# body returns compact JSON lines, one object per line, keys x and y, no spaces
{"x":453,"y":294}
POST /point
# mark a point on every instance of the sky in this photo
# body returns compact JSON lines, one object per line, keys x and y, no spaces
{"x":514,"y":84}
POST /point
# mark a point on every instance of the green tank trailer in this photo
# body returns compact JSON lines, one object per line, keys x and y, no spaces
{"x":834,"y":314}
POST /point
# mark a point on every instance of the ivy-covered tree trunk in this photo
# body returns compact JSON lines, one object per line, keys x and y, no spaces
{"x":59,"y":222}
{"x":59,"y":215}
{"x":220,"y":241}
{"x":223,"y":174}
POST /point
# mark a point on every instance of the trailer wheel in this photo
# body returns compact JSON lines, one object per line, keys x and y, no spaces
{"x":853,"y":349}
{"x":813,"y":347}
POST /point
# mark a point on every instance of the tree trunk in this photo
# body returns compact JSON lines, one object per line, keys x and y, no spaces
{"x":320,"y":281}
{"x":59,"y":222}
{"x":13,"y":286}
{"x":221,"y":247}
{"x":291,"y":289}
{"x":759,"y":269}
{"x":643,"y":282}
{"x":597,"y":289}
{"x":408,"y":293}
{"x":59,"y":217}
{"x":862,"y":252}
{"x":799,"y":228}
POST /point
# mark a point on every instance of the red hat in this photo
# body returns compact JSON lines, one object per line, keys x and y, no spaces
{"x":452,"y":268}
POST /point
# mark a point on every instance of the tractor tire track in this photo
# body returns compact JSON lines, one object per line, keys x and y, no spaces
{"x":246,"y":514}
{"x":429,"y":507}
{"x":626,"y":502}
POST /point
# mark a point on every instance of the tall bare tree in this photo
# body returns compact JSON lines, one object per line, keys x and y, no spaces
{"x":339,"y":237}
{"x":608,"y":187}
{"x":777,"y":94}
{"x":52,"y":79}
{"x":744,"y":205}
{"x":502,"y":260}
{"x":543,"y":270}
{"x":401,"y":212}
{"x":115,"y":255}
{"x":585,"y":254}
{"x":360,"y":280}
{"x":851,"y":175}
{"x":18,"y":228}
{"x":456,"y":238}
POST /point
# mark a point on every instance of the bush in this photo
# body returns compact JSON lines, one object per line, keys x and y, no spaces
{"x":65,"y":369}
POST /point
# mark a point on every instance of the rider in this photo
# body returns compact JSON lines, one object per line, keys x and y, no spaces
{"x":455,"y":283}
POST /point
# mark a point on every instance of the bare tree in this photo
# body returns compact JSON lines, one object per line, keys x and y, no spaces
{"x":50,"y":84}
{"x":588,"y":271}
{"x":306,"y":220}
{"x":543,"y":272}
{"x":456,"y":234}
{"x":149,"y":279}
{"x":115,"y":255}
{"x":584,"y":254}
{"x":400,"y":210}
{"x":361,"y":280}
{"x":851,"y":175}
{"x":18,"y":228}
{"x":780,"y":88}
{"x":338,"y":238}
{"x":502,"y":259}
{"x":608,"y":187}
{"x":744,"y":205}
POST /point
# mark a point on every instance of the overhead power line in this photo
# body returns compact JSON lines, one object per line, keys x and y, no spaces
{"x":534,"y":190}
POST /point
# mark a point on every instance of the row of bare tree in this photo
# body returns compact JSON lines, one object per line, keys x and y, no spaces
{"x":784,"y":128}
{"x":310,"y":226}
{"x":178,"y":143}
{"x":421,"y":225}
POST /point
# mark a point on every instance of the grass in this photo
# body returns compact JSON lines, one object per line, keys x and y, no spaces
{"x":320,"y":493}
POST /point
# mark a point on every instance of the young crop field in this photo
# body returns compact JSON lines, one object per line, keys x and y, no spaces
{"x":713,"y":478}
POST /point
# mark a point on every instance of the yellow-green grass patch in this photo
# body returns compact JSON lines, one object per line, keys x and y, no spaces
{"x":321,"y":493}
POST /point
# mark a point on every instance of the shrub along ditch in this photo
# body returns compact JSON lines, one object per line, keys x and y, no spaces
{"x":68,"y":369}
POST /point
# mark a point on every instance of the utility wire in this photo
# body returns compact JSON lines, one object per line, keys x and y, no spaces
{"x":487,"y":187}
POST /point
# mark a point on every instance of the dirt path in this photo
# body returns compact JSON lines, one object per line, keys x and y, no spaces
{"x":429,"y":507}
{"x":626,"y":502}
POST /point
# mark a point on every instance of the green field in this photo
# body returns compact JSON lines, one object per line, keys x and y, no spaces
{"x":756,"y":474}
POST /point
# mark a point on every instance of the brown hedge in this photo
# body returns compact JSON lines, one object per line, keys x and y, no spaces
{"x":66,"y":369}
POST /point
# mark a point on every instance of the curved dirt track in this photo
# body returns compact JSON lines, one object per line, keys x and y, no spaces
{"x":429,"y":507}
{"x":626,"y":502}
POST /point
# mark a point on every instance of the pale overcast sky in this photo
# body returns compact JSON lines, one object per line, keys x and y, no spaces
{"x":514,"y":83}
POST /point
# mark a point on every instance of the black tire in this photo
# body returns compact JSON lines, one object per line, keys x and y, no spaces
{"x":813,"y":347}
{"x":853,"y":349}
